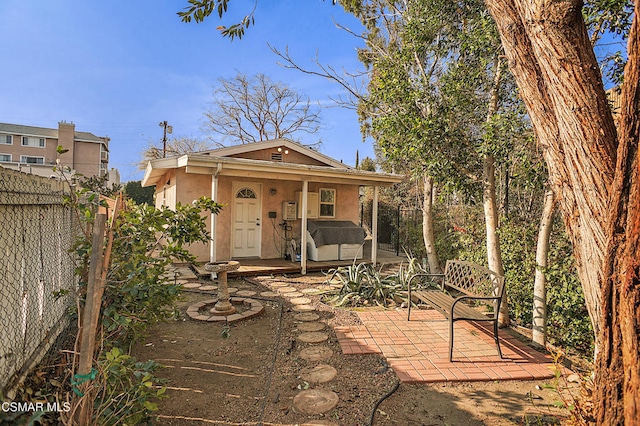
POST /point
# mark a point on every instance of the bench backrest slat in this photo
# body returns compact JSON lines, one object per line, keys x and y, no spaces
{"x":473,"y":279}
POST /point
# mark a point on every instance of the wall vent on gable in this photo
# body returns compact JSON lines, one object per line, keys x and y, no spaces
{"x":276,"y":156}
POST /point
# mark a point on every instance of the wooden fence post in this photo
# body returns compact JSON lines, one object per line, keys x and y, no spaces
{"x":95,"y":288}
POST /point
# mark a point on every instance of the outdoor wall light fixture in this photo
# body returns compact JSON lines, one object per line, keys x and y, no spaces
{"x":280,"y":149}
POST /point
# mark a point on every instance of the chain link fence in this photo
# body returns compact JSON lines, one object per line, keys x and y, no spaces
{"x":37,"y":279}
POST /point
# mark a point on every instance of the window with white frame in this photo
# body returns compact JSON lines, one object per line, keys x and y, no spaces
{"x":33,"y":141}
{"x":327,"y":201}
{"x":5,"y":158}
{"x":6,"y":139}
{"x":27,"y":159}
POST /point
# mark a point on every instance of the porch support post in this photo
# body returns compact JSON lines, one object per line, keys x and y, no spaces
{"x":303,"y":229}
{"x":374,"y":227}
{"x":214,"y":196}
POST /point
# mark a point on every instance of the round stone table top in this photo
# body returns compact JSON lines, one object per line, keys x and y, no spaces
{"x":231,"y":265}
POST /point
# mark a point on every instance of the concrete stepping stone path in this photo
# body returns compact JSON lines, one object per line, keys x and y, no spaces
{"x":293,"y":294}
{"x":310,"y":326}
{"x":269,"y":294}
{"x":321,"y":373}
{"x":303,"y":308}
{"x":191,"y":285}
{"x":316,"y":353}
{"x":313,"y":337}
{"x":284,"y":290}
{"x":306,"y":316}
{"x":315,"y":401}
{"x":246,"y":293}
{"x":300,"y":301}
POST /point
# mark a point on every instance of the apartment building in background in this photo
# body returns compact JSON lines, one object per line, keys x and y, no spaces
{"x":34,"y":149}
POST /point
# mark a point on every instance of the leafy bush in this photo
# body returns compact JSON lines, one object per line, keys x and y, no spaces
{"x":137,"y":295}
{"x":125,"y":391}
{"x":146,"y":240}
{"x":568,"y":320}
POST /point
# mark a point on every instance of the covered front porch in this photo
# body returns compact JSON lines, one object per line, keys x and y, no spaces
{"x":255,"y":266}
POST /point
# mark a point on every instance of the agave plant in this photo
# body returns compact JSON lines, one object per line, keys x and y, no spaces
{"x":363,"y":284}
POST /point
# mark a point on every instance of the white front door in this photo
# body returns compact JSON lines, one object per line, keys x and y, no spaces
{"x":247,"y":211}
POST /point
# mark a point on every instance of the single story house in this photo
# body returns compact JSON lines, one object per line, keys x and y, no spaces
{"x":273,"y":193}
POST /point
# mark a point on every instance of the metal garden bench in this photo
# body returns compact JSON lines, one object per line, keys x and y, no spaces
{"x":462,"y":286}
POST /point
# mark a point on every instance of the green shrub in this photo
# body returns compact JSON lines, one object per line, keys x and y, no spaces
{"x":568,"y":320}
{"x":126,"y":391}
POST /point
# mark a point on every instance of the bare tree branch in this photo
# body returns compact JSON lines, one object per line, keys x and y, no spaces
{"x":246,"y":110}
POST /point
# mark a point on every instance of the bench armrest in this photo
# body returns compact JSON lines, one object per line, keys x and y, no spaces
{"x":467,"y":297}
{"x":419,"y":275}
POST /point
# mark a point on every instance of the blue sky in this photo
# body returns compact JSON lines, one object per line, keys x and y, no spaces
{"x":117,"y":68}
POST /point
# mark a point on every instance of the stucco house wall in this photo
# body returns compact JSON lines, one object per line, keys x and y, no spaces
{"x":184,"y":188}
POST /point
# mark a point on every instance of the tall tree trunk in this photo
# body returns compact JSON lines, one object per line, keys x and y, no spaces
{"x":617,"y":379}
{"x":552,"y":59}
{"x":540,"y":282}
{"x":494,"y":256}
{"x":427,"y":226}
{"x":489,"y":203}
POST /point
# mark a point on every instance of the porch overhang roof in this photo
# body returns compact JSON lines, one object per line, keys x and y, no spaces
{"x":260,"y":169}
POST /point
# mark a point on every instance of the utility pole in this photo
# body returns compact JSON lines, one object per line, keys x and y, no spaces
{"x":167,"y":129}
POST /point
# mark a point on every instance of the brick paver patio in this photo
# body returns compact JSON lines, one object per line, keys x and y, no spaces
{"x":418,"y":350}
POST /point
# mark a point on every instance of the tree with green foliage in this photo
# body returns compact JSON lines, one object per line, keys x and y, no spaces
{"x":440,"y":101}
{"x":138,"y":194}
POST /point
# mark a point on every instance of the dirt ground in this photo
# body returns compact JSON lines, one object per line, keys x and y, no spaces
{"x":250,"y":372}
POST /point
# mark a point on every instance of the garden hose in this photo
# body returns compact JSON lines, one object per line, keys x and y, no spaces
{"x":375,"y":407}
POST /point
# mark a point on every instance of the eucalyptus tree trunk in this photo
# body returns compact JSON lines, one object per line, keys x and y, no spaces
{"x":552,"y":60}
{"x":593,"y":173}
{"x":490,"y":205}
{"x":540,"y":282}
{"x":427,"y":226}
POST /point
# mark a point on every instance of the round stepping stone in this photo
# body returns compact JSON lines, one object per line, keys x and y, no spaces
{"x":286,"y":289}
{"x":192,"y":285}
{"x":278,"y":285}
{"x":306,"y":316}
{"x":246,"y":293}
{"x":322,"y":373}
{"x":325,"y":287}
{"x":315,"y":401}
{"x":312,"y":290}
{"x":300,"y":301}
{"x":209,"y":287}
{"x":310,"y":326}
{"x":269,"y":294}
{"x":313,"y":337}
{"x":316,"y":353}
{"x":232,"y":290}
{"x":182,"y":281}
{"x":303,"y":308}
{"x":293,"y":294}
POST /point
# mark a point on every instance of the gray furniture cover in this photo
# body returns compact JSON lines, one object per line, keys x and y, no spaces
{"x":325,"y":232}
